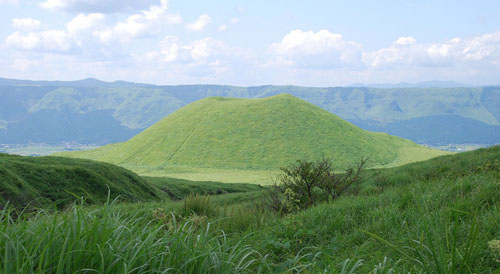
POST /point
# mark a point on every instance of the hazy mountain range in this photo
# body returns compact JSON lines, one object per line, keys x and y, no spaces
{"x":93,"y":111}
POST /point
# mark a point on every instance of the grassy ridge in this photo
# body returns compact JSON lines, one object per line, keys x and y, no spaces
{"x":49,"y":181}
{"x":435,"y":216}
{"x":253,"y":134}
{"x":54,"y":182}
{"x":177,"y":189}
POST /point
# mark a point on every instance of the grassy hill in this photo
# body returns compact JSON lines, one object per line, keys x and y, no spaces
{"x":260,"y":134}
{"x":55,"y":181}
{"x":435,"y":216}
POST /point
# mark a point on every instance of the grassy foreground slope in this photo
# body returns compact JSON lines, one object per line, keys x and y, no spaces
{"x":49,"y":181}
{"x":266,"y":133}
{"x":435,"y":216}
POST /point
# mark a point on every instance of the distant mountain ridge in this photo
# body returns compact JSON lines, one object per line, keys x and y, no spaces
{"x":96,"y":82}
{"x":97,"y":112}
{"x":423,"y":84}
{"x":439,"y":130}
{"x":87,"y":82}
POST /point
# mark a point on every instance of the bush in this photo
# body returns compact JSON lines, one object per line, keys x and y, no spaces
{"x":307,"y":183}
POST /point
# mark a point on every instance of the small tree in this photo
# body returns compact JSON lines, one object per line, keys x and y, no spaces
{"x":336,"y":184}
{"x":307,"y":183}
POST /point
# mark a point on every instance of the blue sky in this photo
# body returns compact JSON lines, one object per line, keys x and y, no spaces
{"x":310,"y":43}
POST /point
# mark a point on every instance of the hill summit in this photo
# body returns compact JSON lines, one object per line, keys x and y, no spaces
{"x":267,"y":133}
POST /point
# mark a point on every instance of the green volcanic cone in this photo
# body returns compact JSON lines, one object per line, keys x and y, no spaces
{"x":263,"y":133}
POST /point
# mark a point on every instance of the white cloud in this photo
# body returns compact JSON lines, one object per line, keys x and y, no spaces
{"x":90,"y":34}
{"x":404,"y":50}
{"x":146,"y":23}
{"x":222,"y":27}
{"x":321,"y":49}
{"x":8,"y":2}
{"x":300,"y":57}
{"x":483,"y":50}
{"x":205,"y":49}
{"x":26,"y":24}
{"x":50,"y":40}
{"x":78,"y":33}
{"x":405,"y":41}
{"x":84,"y":22}
{"x":97,"y":6}
{"x":54,"y":4}
{"x":205,"y":60}
{"x":172,"y":49}
{"x":198,"y":25}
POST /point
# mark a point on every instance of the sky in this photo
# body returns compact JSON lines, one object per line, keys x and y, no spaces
{"x":252,"y":42}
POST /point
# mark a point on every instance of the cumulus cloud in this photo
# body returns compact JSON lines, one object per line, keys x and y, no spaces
{"x":26,"y":24}
{"x":78,"y":33}
{"x":405,"y":41}
{"x":97,"y":6}
{"x":84,"y":22}
{"x":87,"y":32}
{"x":50,"y":40}
{"x":321,"y":49}
{"x":200,"y":23}
{"x":205,"y":60}
{"x":94,"y":45}
{"x":404,"y":50}
{"x":481,"y":50}
{"x":172,"y":49}
{"x":145,"y":23}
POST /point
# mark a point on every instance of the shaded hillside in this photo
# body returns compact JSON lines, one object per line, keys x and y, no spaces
{"x":263,"y":133}
{"x":55,"y":181}
{"x":439,"y":130}
{"x":96,"y":127}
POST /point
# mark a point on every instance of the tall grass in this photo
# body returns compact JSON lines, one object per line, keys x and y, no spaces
{"x":441,"y":247}
{"x":105,"y":241}
{"x":440,"y":216}
{"x":199,"y":205}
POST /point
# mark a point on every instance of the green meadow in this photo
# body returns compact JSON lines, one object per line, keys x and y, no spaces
{"x":436,"y":216}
